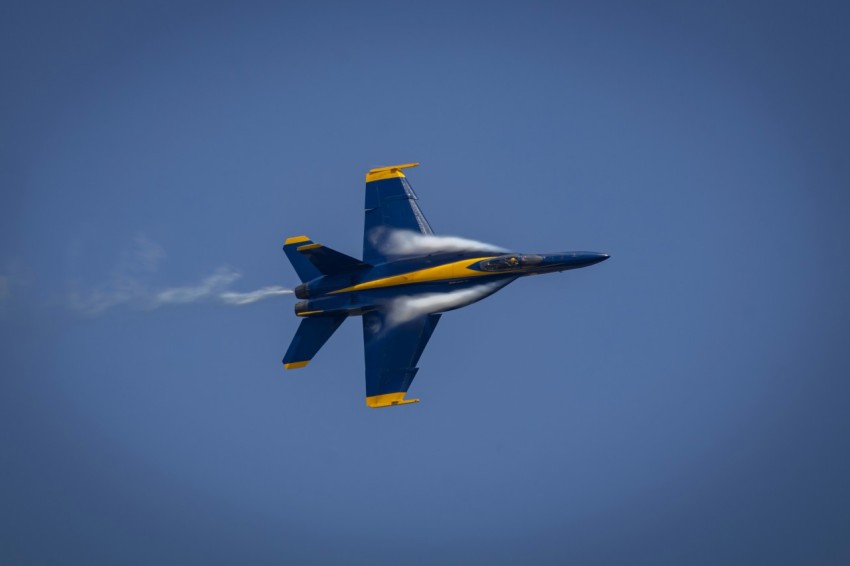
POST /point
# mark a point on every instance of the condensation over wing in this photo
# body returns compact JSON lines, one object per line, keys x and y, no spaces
{"x":392,"y":352}
{"x":390,"y":205}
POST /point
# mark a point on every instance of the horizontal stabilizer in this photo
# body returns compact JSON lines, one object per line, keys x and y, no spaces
{"x":309,"y":339}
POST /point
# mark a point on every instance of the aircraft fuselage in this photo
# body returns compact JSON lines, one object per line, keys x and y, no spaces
{"x":449,"y":274}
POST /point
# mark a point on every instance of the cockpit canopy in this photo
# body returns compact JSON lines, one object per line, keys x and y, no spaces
{"x":510,"y":262}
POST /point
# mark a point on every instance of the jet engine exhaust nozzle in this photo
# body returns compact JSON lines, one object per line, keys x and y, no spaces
{"x":302,"y":291}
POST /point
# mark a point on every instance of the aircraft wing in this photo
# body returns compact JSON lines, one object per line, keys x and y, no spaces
{"x":392,"y":351}
{"x":390,"y":205}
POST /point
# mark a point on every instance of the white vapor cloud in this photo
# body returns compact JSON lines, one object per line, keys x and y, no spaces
{"x":406,"y":242}
{"x":404,"y":309}
{"x":127,"y":285}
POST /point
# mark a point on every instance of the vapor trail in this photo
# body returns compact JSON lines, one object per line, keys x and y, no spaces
{"x":215,"y":284}
{"x":129,"y":284}
{"x":238,"y":299}
{"x":216,"y":287}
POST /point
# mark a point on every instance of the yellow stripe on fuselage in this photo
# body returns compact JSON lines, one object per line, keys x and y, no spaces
{"x":455,"y":270}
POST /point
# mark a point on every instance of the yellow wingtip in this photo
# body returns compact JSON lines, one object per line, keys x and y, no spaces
{"x":296,"y":365}
{"x":389,"y":400}
{"x":296,"y":240}
{"x":380,"y":173}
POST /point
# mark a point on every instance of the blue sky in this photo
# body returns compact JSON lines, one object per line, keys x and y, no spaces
{"x":683,"y":402}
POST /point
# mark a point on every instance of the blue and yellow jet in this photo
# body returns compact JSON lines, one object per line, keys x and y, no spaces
{"x":407,"y":279}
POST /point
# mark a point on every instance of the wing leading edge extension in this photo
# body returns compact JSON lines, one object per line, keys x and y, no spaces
{"x":392,"y":352}
{"x":390,"y":205}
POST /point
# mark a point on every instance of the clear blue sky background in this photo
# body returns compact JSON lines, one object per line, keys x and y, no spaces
{"x":682,"y":403}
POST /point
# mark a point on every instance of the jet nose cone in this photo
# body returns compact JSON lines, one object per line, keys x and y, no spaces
{"x":572,"y":260}
{"x":592,"y":258}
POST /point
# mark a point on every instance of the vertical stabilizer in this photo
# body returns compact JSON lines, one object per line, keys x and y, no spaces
{"x":303,"y":267}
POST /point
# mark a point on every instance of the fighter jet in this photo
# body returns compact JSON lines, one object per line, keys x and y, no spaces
{"x":407,"y":279}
